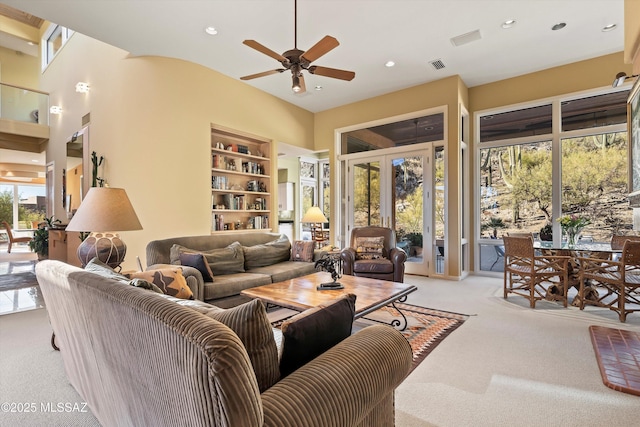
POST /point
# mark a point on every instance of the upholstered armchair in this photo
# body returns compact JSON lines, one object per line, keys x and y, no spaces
{"x":373,"y":253}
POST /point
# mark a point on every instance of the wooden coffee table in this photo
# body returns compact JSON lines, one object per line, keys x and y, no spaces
{"x":301,"y":294}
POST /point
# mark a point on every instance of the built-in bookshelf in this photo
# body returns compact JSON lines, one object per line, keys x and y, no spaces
{"x":241,"y":183}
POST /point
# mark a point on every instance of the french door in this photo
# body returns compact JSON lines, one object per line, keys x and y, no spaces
{"x":389,"y":190}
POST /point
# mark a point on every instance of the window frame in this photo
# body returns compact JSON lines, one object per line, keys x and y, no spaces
{"x":51,"y":33}
{"x":556,"y":137}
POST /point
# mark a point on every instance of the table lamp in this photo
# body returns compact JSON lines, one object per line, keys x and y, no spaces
{"x":314,"y":216}
{"x":103,"y":212}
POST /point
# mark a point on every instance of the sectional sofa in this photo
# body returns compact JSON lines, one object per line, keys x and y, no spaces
{"x":237,"y":261}
{"x":140,"y":358}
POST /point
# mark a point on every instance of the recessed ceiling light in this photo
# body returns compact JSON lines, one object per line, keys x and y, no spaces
{"x":318,"y":87}
{"x":211,"y":31}
{"x":609,"y":27}
{"x":508,"y":23}
{"x":31,"y":43}
{"x":389,"y":64}
{"x":559,"y":26}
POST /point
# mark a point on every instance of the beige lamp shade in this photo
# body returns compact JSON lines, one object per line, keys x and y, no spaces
{"x":314,"y":214}
{"x":105,"y":209}
{"x":103,"y":212}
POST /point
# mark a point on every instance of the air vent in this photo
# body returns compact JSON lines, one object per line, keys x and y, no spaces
{"x":437,"y":64}
{"x":466,"y":38}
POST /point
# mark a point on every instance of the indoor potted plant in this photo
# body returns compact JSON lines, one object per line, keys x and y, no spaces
{"x":40,"y":242}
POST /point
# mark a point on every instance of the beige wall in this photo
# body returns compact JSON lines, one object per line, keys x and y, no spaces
{"x":449,"y":92}
{"x":19,"y":69}
{"x":150,"y":119}
{"x":579,"y":76}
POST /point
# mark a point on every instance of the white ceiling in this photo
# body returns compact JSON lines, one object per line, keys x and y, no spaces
{"x":371,"y":32}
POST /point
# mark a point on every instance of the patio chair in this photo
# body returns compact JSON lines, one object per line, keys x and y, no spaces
{"x":13,"y":239}
{"x":619,"y":279}
{"x":535,"y":277}
{"x":373,"y":253}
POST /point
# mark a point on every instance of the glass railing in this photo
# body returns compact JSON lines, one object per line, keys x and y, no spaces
{"x":24,"y":105}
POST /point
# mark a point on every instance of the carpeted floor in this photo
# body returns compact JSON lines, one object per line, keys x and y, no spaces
{"x":10,"y":282}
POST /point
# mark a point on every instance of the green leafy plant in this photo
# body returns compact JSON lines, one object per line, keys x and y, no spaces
{"x":414,"y":238}
{"x":40,"y":242}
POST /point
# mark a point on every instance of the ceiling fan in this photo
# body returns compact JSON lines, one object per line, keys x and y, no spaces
{"x":297,"y":60}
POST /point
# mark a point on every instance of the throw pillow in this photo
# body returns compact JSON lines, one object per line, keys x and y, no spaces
{"x":199,"y":262}
{"x":302,"y":250}
{"x":369,"y":247}
{"x":249,"y":321}
{"x":307,"y":335}
{"x":98,"y":267}
{"x":267,"y":254}
{"x":169,"y":280}
{"x":226,"y":260}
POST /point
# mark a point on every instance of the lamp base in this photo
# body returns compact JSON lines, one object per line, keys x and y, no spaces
{"x":329,"y":286}
{"x":106,"y":246}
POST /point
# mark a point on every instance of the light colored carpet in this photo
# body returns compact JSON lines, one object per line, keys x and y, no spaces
{"x":506,"y":365}
{"x":511,"y":365}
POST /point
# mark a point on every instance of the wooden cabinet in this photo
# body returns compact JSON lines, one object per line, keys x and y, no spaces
{"x":285,"y":196}
{"x":241,"y":183}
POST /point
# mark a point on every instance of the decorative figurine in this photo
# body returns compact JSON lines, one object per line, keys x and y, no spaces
{"x":328,"y":264}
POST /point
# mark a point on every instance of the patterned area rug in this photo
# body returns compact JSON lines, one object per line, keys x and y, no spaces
{"x":9,"y":282}
{"x":426,"y":327}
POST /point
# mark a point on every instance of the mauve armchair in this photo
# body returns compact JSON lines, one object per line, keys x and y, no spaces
{"x":386,"y":264}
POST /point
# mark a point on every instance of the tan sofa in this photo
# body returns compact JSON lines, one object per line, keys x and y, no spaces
{"x":159,"y":255}
{"x":140,"y":359}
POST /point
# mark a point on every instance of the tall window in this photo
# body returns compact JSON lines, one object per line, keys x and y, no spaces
{"x":523,"y":188}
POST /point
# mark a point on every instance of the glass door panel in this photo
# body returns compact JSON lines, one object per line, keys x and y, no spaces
{"x":366,"y":194}
{"x":407,"y":200}
{"x":388,"y":191}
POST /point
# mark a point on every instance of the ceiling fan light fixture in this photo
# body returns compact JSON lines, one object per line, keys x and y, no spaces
{"x":296,"y":84}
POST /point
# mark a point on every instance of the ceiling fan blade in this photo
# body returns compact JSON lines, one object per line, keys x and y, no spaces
{"x":332,"y":72}
{"x":263,"y":49}
{"x":320,"y":48}
{"x":264,"y":73}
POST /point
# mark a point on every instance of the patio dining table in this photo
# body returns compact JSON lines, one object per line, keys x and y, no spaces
{"x":580,"y":249}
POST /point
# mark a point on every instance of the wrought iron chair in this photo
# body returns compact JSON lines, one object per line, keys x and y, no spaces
{"x":619,"y":279}
{"x":535,"y":277}
{"x":13,"y":239}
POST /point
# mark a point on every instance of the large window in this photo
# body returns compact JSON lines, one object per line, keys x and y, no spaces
{"x":22,"y":206}
{"x":529,"y":175}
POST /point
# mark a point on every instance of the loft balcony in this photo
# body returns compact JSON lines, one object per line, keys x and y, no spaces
{"x":24,"y":118}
